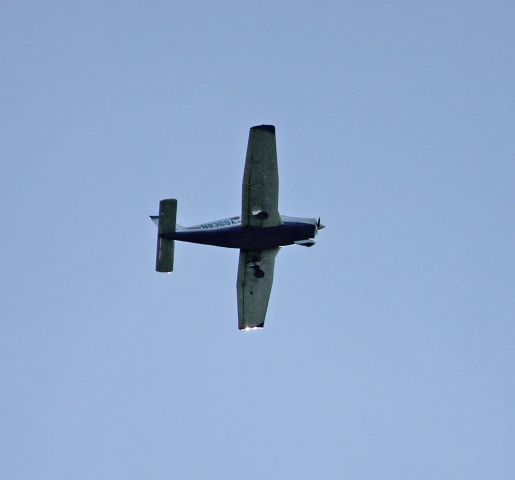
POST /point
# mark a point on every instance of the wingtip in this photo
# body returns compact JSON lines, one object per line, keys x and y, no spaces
{"x":248,"y":328}
{"x":266,"y":128}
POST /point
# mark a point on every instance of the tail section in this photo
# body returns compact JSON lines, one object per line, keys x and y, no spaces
{"x":166,"y":228}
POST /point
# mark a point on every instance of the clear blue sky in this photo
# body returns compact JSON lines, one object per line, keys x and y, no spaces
{"x":389,"y":347}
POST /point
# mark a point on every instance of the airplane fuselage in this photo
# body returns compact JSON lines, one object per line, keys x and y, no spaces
{"x":228,"y":232}
{"x":257,"y":233}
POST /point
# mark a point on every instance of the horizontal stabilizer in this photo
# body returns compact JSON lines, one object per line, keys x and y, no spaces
{"x":164,"y":256}
{"x":166,"y":228}
{"x":167,"y":216}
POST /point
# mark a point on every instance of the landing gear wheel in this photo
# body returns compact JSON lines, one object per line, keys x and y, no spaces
{"x":262,"y":216}
{"x":259,"y":273}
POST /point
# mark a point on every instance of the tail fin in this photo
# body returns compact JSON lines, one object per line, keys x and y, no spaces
{"x":166,"y":229}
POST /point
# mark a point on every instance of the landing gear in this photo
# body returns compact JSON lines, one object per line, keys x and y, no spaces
{"x":258,"y":272}
{"x":260,"y":214}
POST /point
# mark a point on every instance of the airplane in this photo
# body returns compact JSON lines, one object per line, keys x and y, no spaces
{"x":258,"y":233}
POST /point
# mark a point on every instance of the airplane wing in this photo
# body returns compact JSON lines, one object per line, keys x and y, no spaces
{"x":255,"y":277}
{"x":260,"y":190}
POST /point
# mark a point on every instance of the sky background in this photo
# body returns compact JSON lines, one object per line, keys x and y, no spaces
{"x":389,"y":348}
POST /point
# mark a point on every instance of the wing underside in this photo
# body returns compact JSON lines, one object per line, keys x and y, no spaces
{"x":255,"y":277}
{"x":260,"y":190}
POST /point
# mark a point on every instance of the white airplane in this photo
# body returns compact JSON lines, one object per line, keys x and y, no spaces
{"x":258,"y":233}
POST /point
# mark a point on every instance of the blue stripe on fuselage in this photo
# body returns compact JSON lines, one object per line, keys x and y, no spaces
{"x":248,"y":238}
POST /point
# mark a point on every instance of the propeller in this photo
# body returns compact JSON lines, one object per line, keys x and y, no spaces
{"x":319,"y":225}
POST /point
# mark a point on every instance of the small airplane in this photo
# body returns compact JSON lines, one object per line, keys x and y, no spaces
{"x":258,"y":233}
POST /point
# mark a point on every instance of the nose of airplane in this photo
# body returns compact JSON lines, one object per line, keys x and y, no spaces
{"x":319,"y":225}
